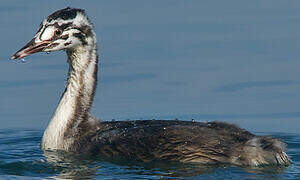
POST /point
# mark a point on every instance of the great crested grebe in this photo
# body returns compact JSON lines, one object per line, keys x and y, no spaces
{"x":74,"y":129}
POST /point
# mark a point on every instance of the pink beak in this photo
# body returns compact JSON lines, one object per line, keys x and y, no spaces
{"x":30,"y":48}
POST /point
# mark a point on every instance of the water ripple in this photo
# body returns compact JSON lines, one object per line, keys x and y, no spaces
{"x":21,"y":158}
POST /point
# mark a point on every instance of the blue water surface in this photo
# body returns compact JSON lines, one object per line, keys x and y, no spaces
{"x":21,"y":158}
{"x":233,"y":61}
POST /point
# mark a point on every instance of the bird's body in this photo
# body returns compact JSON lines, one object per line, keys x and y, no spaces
{"x":183,"y":141}
{"x":73,"y":128}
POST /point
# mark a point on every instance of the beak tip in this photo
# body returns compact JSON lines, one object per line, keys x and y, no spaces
{"x":13,"y":57}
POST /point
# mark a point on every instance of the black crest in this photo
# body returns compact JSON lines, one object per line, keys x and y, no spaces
{"x":65,"y":14}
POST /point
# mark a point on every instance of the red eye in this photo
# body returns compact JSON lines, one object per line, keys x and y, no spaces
{"x":57,"y":32}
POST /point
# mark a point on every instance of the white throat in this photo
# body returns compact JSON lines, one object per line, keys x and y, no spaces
{"x":73,"y":111}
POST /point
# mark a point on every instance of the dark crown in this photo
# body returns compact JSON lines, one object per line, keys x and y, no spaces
{"x":65,"y":14}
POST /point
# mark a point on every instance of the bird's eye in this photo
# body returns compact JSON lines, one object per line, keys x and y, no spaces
{"x":57,"y":32}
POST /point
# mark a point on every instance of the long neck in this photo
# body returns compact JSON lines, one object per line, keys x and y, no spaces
{"x":73,"y":111}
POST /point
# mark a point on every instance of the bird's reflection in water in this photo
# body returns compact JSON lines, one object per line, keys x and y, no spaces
{"x":75,"y":166}
{"x":71,"y":166}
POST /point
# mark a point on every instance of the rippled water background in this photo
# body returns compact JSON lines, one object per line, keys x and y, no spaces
{"x":234,"y":61}
{"x":21,"y":158}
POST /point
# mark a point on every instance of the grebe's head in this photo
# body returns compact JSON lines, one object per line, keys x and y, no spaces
{"x":65,"y":29}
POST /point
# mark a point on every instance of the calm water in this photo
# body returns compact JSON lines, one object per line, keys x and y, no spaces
{"x":21,"y":158}
{"x":228,"y":60}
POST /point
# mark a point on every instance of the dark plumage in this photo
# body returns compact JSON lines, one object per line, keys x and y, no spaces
{"x":184,"y":141}
{"x":65,"y":14}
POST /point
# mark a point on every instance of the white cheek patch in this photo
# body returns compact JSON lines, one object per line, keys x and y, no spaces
{"x":48,"y":33}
